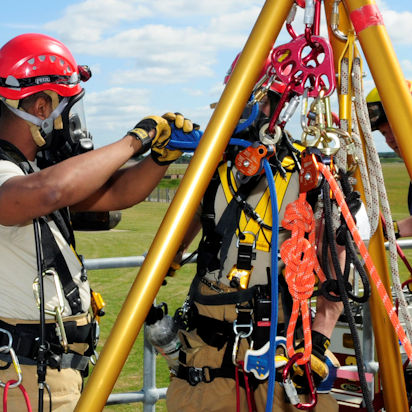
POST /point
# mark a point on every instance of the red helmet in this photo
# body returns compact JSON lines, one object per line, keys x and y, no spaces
{"x":276,"y":86}
{"x":33,"y":62}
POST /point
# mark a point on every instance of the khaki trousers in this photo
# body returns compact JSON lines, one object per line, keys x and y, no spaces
{"x":65,"y":387}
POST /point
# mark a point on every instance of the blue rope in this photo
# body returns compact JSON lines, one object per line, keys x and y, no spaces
{"x":249,"y":120}
{"x":187,"y":142}
{"x":274,"y":285}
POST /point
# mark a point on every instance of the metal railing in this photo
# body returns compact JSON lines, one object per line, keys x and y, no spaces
{"x":149,"y":394}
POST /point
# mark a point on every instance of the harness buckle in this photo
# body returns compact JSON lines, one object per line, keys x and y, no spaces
{"x":197,"y":375}
{"x":239,"y":278}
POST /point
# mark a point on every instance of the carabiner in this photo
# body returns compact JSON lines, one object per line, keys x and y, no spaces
{"x":7,"y":347}
{"x":17,"y":368}
{"x":290,"y":388}
{"x":59,"y":291}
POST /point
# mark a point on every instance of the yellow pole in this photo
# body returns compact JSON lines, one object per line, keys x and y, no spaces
{"x":183,"y":207}
{"x":386,"y":71}
{"x":387,"y":347}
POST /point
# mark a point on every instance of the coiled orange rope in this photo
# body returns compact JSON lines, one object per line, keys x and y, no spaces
{"x":387,"y":302}
{"x":299,"y":255}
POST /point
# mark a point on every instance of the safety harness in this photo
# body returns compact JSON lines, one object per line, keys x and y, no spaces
{"x":26,"y":336}
{"x":253,"y":228}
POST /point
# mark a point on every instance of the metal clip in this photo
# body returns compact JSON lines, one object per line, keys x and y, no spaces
{"x":334,"y":22}
{"x":290,"y":387}
{"x":8,"y":349}
{"x":252,"y":244}
{"x":59,"y":291}
{"x":241,"y":334}
{"x":57,"y":312}
{"x":60,"y":331}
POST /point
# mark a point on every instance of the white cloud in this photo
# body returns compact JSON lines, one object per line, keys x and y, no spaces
{"x":156,"y":52}
{"x":89,"y":20}
{"x":398,"y":24}
{"x":109,"y":112}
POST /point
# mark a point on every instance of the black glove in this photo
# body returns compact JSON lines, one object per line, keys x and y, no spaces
{"x":151,"y":123}
{"x":323,"y":364}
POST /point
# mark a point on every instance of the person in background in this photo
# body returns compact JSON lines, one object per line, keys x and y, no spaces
{"x":379,"y":121}
{"x":45,"y":316}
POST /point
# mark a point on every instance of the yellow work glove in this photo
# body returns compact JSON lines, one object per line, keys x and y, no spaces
{"x":161,"y":154}
{"x":141,"y":131}
{"x":323,"y":364}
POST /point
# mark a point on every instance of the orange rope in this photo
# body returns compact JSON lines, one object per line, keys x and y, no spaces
{"x":368,"y":260}
{"x":299,"y":255}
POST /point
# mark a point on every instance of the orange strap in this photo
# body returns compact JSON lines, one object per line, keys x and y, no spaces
{"x":368,"y":260}
{"x":299,"y":255}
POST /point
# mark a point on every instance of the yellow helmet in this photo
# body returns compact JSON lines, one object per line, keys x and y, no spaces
{"x":377,"y":115}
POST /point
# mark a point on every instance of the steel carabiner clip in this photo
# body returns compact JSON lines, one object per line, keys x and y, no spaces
{"x":290,"y":388}
{"x":8,"y":349}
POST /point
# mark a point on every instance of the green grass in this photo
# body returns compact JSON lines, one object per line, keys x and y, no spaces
{"x":133,"y":236}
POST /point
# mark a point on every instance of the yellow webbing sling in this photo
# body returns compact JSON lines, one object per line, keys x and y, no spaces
{"x":253,"y":232}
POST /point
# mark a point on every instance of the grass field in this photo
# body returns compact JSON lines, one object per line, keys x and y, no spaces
{"x":133,"y":236}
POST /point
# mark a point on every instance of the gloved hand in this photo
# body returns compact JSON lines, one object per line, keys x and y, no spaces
{"x":160,"y":153}
{"x":323,"y":363}
{"x":142,"y":129}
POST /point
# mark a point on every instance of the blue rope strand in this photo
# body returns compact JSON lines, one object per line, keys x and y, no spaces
{"x":274,"y":285}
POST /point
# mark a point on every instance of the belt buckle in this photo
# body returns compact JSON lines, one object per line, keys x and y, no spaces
{"x":195,"y":376}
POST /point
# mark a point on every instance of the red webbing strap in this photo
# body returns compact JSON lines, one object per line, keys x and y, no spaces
{"x":24,"y":392}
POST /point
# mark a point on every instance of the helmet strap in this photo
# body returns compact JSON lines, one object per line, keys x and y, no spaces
{"x":58,"y":122}
{"x":40,"y":128}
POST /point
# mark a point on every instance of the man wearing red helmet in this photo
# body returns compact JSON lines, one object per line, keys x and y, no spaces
{"x":226,"y":317}
{"x":42,"y":119}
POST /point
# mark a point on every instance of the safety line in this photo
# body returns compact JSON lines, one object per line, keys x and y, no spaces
{"x":368,"y":260}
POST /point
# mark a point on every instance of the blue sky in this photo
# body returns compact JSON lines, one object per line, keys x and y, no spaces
{"x":153,"y":56}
